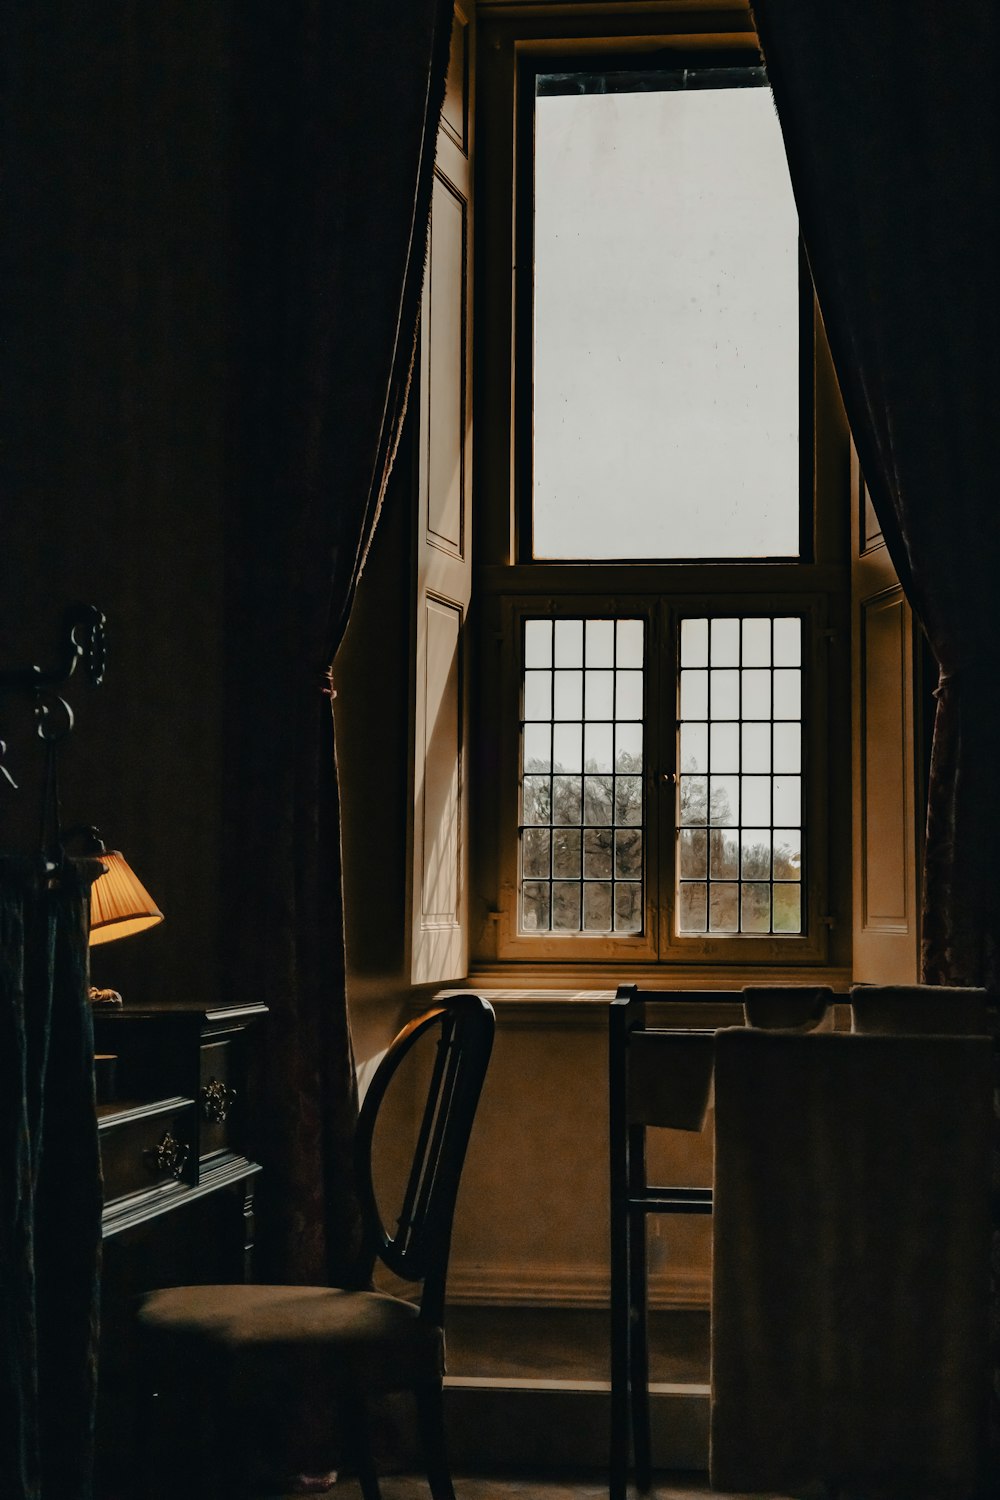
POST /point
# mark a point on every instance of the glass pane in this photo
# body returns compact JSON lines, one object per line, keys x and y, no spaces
{"x":535,"y":906}
{"x":537,"y":747}
{"x":757,"y":747}
{"x":628,"y":695}
{"x":628,"y":747}
{"x":600,"y":643}
{"x":597,"y":853}
{"x":693,"y":799}
{"x":788,"y":694}
{"x":597,"y":799}
{"x":755,"y":858}
{"x":536,"y":801}
{"x":724,"y":908}
{"x":538,"y":695}
{"x":787,"y":747}
{"x":788,"y":643}
{"x":755,"y":907}
{"x":756,"y":694}
{"x":689,"y":189}
{"x":628,"y":853}
{"x":725,"y":643}
{"x":628,"y":906}
{"x":756,"y":643}
{"x":628,"y":799}
{"x":565,"y":906}
{"x":725,"y":699}
{"x":567,"y":747}
{"x":787,"y":799}
{"x":538,"y":643}
{"x":694,"y":747}
{"x":566,"y":853}
{"x":598,"y":740}
{"x":694,"y":643}
{"x":725,"y":747}
{"x":724,"y":799}
{"x":600,"y":695}
{"x":568,"y":643}
{"x":565,"y":799}
{"x":693,"y":853}
{"x":692,"y":908}
{"x":787,"y":908}
{"x":787,"y":854}
{"x":694,"y":695}
{"x":597,"y":906}
{"x":756,"y":794}
{"x":724,"y":856}
{"x":629,"y":643}
{"x":535,"y":852}
{"x":567,"y":698}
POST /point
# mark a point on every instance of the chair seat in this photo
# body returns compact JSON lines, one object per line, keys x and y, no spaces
{"x":358,"y":1340}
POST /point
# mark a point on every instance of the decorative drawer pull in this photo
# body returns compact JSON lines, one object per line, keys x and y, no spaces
{"x":216,"y":1101}
{"x":168,"y":1158}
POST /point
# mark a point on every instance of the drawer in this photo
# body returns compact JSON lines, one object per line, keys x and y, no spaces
{"x":219,"y":1091}
{"x":145,"y":1146}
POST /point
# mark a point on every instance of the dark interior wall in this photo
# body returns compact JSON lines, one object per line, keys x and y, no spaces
{"x":113,"y":309}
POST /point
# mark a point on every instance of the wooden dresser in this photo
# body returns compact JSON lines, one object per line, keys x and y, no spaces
{"x":175,"y":1129}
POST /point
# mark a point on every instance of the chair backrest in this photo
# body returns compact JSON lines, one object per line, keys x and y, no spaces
{"x":656,"y":1076}
{"x":418,"y":1248}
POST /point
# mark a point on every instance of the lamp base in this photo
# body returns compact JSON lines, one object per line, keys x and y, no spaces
{"x":105,"y":999}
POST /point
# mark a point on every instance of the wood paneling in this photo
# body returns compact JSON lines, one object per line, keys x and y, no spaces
{"x":443,"y":410}
{"x":886,"y":925}
{"x":439,"y":935}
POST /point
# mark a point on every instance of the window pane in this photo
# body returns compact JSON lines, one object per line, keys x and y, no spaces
{"x":665,"y":407}
{"x":582,"y":777}
{"x":739,"y":840}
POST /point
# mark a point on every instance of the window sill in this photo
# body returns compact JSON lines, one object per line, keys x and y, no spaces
{"x":712,"y":998}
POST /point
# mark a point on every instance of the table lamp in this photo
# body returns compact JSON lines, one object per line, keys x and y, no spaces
{"x":119,"y":906}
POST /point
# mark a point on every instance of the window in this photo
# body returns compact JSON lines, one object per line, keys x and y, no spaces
{"x":662,"y":570}
{"x":664,"y":300}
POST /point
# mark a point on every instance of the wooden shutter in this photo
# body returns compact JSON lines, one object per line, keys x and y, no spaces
{"x":886,"y":843}
{"x":444,"y":547}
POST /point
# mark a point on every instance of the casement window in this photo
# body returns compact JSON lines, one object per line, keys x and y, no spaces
{"x":661,"y":578}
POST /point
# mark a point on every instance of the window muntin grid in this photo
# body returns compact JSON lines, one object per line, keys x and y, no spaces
{"x":739,"y":784}
{"x":581,"y":830}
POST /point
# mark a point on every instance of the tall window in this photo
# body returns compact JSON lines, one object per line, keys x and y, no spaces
{"x":665,"y":349}
{"x":656,"y":740}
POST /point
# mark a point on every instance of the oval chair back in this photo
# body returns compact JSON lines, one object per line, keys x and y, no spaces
{"x":417,"y":1250}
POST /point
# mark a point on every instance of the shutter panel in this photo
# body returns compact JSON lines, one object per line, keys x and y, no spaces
{"x":443,"y":550}
{"x":886,"y":907}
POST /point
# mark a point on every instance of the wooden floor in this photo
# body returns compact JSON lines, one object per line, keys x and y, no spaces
{"x":678,"y":1487}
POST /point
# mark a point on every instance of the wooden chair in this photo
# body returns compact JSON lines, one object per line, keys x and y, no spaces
{"x":259,"y":1357}
{"x":656,"y":1078}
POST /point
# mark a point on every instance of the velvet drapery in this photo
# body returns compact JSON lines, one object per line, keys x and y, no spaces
{"x":336,"y":111}
{"x":890,"y":119}
{"x":889,"y":114}
{"x":50,"y":1184}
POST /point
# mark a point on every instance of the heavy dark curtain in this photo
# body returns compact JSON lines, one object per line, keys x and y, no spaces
{"x":50,"y":1185}
{"x":335,"y":123}
{"x":889,"y":114}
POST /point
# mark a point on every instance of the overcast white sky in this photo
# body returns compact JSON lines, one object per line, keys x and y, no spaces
{"x":666,"y":327}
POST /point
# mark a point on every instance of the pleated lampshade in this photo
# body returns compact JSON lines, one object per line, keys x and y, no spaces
{"x":119,"y":902}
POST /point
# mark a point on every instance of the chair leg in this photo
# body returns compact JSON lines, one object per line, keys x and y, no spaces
{"x":639,"y":1355}
{"x":620,"y":1303}
{"x":356,"y":1424}
{"x":430,"y":1419}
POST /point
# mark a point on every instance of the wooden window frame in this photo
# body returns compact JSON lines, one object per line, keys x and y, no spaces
{"x":508,"y":584}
